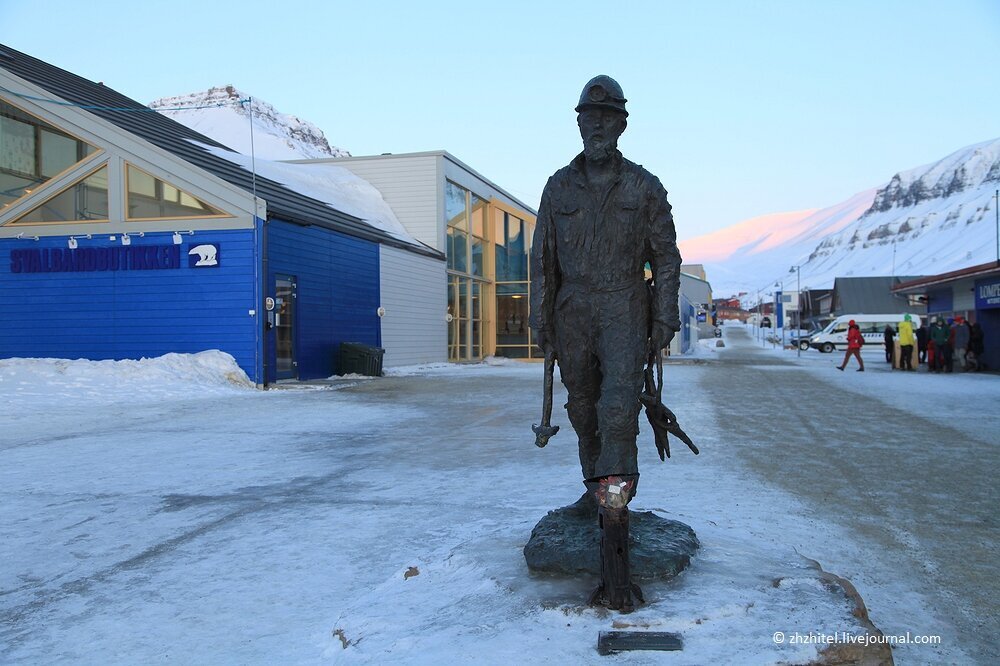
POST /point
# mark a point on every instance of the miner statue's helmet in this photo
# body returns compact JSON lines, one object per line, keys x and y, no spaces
{"x":602,"y":92}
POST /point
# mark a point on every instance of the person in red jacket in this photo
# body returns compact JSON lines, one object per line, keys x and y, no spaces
{"x":854,"y":342}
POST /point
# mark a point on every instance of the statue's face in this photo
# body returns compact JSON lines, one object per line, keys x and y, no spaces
{"x":600,"y":129}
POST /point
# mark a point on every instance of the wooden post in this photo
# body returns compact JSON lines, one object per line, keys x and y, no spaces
{"x":616,"y":573}
{"x":613,"y":495}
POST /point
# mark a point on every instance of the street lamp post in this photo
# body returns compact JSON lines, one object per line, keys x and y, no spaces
{"x":780,"y":303}
{"x":758,"y":314}
{"x":798,"y":310}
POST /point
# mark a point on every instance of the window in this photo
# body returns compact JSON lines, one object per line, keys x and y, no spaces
{"x":466,"y":222}
{"x":512,"y":239}
{"x":478,"y":238}
{"x":455,"y":206}
{"x":152,"y":198}
{"x":456,"y":214}
{"x":33,"y":152}
{"x":86,"y":200}
{"x":511,"y":248}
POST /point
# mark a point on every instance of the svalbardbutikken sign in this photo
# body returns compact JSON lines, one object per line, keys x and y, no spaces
{"x":128,"y":258}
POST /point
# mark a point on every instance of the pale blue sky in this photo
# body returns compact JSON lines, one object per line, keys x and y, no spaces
{"x":741,"y":108}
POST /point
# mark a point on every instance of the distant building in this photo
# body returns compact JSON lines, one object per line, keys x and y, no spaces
{"x":816,"y":306}
{"x":973,"y":293}
{"x":871,"y":295}
{"x":730,"y":309}
{"x":697,"y":270}
{"x":485,"y":233}
{"x":695,"y":304}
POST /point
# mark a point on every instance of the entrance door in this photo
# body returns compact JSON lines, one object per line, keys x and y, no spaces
{"x":284,"y":326}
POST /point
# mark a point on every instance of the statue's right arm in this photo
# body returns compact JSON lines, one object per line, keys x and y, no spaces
{"x":543,"y":271}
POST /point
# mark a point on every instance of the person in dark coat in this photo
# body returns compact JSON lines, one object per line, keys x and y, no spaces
{"x":960,"y":340}
{"x":888,"y":335}
{"x":949,"y":348}
{"x":939,"y":336}
{"x":922,"y":339}
{"x":976,"y":346}
{"x":854,"y":342}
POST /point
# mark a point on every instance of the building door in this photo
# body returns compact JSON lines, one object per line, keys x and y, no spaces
{"x":284,"y":327}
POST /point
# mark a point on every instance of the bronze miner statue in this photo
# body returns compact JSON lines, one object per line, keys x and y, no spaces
{"x":601,"y":222}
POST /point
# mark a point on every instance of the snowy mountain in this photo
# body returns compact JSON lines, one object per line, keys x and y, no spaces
{"x":223,"y":114}
{"x":932,"y":219}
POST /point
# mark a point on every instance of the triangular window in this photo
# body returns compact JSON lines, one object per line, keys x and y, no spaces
{"x":86,"y":200}
{"x":151,"y":198}
{"x":33,"y":152}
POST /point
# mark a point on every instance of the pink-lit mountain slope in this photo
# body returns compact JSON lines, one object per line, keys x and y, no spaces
{"x":932,"y":219}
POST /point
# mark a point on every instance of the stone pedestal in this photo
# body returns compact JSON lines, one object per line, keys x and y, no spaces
{"x":567,"y":541}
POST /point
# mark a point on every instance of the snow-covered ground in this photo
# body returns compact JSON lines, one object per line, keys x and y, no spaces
{"x":162,"y":510}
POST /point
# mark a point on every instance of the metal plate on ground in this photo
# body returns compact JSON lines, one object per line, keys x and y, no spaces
{"x":610,"y":642}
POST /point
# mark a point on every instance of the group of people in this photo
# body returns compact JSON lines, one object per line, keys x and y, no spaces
{"x":939,"y":346}
{"x":951,"y":340}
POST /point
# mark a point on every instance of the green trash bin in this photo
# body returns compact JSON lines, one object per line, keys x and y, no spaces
{"x":359,"y":359}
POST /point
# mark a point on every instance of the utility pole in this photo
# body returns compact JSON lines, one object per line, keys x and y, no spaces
{"x":798,"y":310}
{"x":760,"y":314}
{"x":779,"y":303}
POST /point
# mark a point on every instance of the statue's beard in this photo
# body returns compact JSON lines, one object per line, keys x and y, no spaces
{"x":598,"y":150}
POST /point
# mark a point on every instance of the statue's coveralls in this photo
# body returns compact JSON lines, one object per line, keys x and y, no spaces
{"x":588,"y":290}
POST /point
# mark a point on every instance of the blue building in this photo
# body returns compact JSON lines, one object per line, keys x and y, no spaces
{"x":124,"y":234}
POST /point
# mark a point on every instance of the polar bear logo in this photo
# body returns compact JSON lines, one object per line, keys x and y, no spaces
{"x":207,"y":255}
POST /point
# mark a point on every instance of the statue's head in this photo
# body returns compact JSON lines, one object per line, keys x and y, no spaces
{"x":601,"y":117}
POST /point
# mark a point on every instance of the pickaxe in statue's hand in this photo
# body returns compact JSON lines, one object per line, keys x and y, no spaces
{"x":660,"y":417}
{"x":545,"y":431}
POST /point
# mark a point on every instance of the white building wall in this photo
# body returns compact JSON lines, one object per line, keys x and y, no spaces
{"x":409,"y":184}
{"x":964,"y":296}
{"x":414,"y":296}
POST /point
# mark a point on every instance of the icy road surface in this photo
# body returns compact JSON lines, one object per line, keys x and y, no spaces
{"x":160,"y":512}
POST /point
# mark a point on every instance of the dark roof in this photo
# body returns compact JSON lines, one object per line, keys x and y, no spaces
{"x":170,"y":135}
{"x":920,"y":284}
{"x":871,"y":295}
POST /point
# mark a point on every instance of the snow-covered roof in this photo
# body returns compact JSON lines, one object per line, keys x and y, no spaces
{"x":335,"y":186}
{"x":202,"y":152}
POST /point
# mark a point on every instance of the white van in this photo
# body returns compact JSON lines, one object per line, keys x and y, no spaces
{"x":872,"y":327}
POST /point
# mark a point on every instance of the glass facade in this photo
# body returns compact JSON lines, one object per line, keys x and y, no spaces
{"x":512,"y":247}
{"x":467,"y":273}
{"x":488,"y":281}
{"x":32,"y":152}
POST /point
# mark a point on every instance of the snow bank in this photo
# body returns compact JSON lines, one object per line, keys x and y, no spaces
{"x":38,"y":383}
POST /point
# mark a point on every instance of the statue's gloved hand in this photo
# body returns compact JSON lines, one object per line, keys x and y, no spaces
{"x":662,"y":334}
{"x":545,"y":339}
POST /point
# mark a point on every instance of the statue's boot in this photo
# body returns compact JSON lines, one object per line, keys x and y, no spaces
{"x":613,"y":494}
